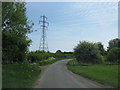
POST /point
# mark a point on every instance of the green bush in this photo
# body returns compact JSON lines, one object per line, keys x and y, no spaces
{"x":101,"y":48}
{"x":113,"y":54}
{"x":39,"y":56}
{"x":73,"y":63}
{"x":87,"y":52}
{"x":114,"y":43}
{"x":33,"y":57}
{"x":14,"y":47}
{"x":102,"y":59}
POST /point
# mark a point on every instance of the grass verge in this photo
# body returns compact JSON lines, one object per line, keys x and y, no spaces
{"x":105,"y":74}
{"x":19,"y":75}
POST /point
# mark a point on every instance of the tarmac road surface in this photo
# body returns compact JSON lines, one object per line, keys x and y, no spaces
{"x":56,"y":75}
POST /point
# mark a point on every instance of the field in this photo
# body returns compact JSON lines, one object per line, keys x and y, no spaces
{"x":105,"y":74}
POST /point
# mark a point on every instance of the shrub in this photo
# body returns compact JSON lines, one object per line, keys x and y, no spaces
{"x":86,"y":52}
{"x":39,"y":56}
{"x":114,"y":43}
{"x":113,"y":55}
{"x":33,"y":57}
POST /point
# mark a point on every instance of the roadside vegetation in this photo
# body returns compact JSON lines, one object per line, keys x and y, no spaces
{"x":93,"y":61}
{"x":20,"y":67}
{"x":39,"y":56}
{"x":19,"y":75}
{"x":105,"y":74}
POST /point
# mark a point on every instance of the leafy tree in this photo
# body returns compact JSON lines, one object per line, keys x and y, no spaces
{"x":15,"y":26}
{"x":113,"y":50}
{"x":87,"y":52}
{"x":14,"y":18}
{"x":101,"y":49}
{"x":58,"y":51}
{"x":114,"y":43}
{"x":113,"y":54}
{"x":68,"y":52}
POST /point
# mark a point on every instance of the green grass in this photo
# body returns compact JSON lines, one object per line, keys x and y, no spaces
{"x":19,"y":75}
{"x":106,"y":74}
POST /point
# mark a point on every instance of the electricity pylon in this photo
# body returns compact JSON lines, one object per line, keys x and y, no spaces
{"x":43,"y":42}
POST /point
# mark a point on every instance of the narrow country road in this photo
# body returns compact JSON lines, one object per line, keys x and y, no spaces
{"x":56,"y":75}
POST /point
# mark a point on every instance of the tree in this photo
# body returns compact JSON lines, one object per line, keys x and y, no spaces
{"x":113,"y":50}
{"x":113,"y":54}
{"x":15,"y":26}
{"x":68,"y":52}
{"x":87,"y":52}
{"x":101,"y":49}
{"x":58,"y":51}
{"x":114,"y":43}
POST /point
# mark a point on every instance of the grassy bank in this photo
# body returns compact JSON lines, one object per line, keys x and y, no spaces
{"x":20,"y":75}
{"x":106,"y":74}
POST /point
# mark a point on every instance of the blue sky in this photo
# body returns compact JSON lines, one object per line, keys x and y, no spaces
{"x":71,"y":22}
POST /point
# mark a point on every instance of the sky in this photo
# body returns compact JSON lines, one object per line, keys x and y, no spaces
{"x":71,"y":22}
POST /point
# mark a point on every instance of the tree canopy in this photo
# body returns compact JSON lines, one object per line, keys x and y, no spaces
{"x":101,"y":48}
{"x":113,"y":52}
{"x":87,"y":52}
{"x":58,"y":51}
{"x":15,"y":26}
{"x":114,"y":43}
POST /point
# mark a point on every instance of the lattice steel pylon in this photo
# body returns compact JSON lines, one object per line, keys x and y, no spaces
{"x":43,"y":42}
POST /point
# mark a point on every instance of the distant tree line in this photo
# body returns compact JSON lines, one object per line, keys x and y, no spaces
{"x":87,"y":52}
{"x":59,"y":51}
{"x":40,"y":56}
